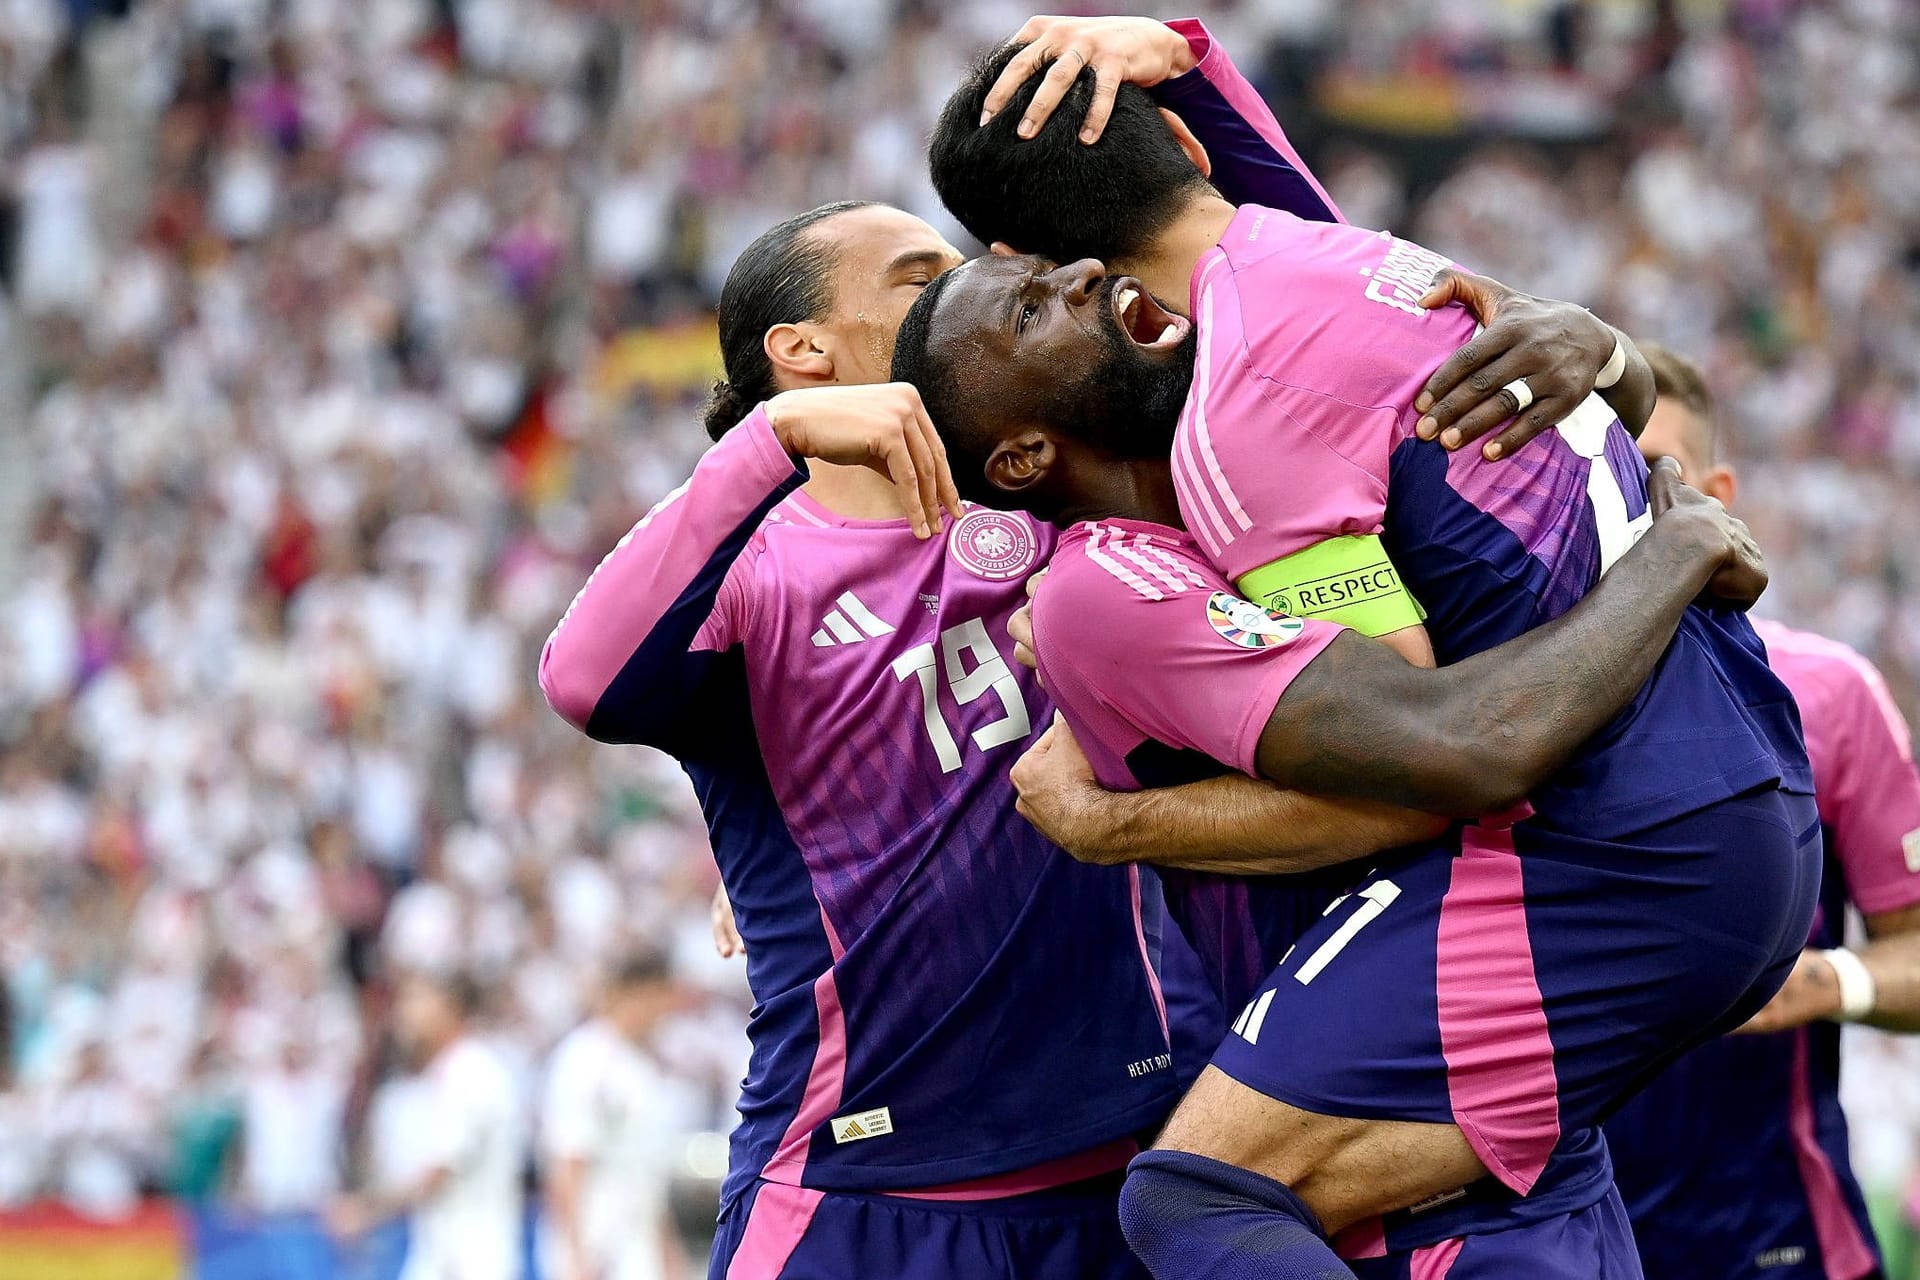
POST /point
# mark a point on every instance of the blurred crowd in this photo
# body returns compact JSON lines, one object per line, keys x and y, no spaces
{"x":347,"y":336}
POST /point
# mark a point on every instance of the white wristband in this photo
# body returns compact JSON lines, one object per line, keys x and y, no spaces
{"x":1858,"y":993}
{"x":1614,"y":369}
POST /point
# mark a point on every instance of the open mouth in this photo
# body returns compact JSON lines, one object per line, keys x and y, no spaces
{"x":1144,"y":321}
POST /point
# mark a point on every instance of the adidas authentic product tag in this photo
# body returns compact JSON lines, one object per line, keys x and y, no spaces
{"x":866,"y":1124}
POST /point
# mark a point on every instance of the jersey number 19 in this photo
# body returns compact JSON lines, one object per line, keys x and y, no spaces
{"x":990,"y":671}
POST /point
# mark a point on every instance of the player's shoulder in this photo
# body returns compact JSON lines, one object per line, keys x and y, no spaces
{"x":1124,"y":566}
{"x":1814,"y":664}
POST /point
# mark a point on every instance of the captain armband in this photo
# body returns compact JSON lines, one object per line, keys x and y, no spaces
{"x":1347,"y":580}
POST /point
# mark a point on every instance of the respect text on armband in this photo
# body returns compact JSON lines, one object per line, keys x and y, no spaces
{"x":1336,"y":591}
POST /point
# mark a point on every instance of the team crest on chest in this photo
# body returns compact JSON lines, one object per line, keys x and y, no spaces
{"x":993,"y":545}
{"x":1248,"y":625}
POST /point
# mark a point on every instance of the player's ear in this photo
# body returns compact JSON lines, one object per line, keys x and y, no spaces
{"x":1021,"y":460}
{"x":1718,"y":482}
{"x":1188,"y":143}
{"x":800,"y":350}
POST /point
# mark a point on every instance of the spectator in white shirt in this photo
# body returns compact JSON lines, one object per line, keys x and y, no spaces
{"x":610,"y":1123}
{"x":292,"y":1129}
{"x":465,"y":1211}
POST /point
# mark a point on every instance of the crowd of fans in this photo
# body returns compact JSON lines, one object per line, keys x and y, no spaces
{"x":353,"y":334}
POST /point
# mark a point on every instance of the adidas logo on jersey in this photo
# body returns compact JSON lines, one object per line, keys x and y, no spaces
{"x":1252,"y":1018}
{"x":867,"y":1124}
{"x":841,"y":623}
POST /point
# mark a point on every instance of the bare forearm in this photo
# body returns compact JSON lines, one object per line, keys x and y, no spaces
{"x":1894,"y":963}
{"x":1231,"y":824}
{"x":1475,"y":737}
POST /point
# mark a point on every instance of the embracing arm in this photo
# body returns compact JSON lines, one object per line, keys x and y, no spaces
{"x":633,"y":658}
{"x":640,"y":639}
{"x":1473,"y":738}
{"x":1231,"y":824}
{"x":1558,"y":349}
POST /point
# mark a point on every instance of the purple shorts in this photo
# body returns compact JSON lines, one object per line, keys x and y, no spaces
{"x":1527,"y":986}
{"x":781,"y":1232}
{"x":1595,"y":1243}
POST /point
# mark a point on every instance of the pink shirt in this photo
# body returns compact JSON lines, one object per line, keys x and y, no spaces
{"x":1144,"y":645}
{"x":1863,"y":771}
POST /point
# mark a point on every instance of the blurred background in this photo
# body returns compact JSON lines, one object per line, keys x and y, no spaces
{"x":340,"y":338}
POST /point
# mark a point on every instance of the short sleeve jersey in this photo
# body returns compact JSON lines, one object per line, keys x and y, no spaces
{"x":1311,"y":350}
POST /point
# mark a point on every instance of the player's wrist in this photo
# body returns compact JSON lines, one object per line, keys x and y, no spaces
{"x":1180,"y":55}
{"x":1615,"y":367}
{"x":1856,"y":992}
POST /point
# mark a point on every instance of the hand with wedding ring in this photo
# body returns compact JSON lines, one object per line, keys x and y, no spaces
{"x":1533,"y":362}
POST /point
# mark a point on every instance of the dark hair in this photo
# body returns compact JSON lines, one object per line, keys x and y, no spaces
{"x":640,"y":968}
{"x":781,"y":278}
{"x":916,"y":361}
{"x":1053,"y":194}
{"x":1677,"y":378}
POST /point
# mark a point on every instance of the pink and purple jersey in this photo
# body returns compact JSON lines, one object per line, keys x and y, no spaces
{"x":942,"y":996}
{"x":1312,"y":347}
{"x":1734,"y":1163}
{"x":1166,"y":676}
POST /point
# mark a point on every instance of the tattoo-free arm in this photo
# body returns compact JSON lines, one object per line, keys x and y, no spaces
{"x":1231,"y":824}
{"x":1893,"y":958}
{"x":1473,"y":738}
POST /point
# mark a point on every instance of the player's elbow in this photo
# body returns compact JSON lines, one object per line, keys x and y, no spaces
{"x":1493,"y":772}
{"x":568,"y":690}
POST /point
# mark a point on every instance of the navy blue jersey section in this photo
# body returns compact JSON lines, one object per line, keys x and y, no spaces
{"x":773,"y":904}
{"x":1713,"y":720}
{"x":1734,"y":1161}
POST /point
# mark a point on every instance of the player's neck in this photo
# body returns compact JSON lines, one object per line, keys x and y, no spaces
{"x":857,"y":493}
{"x":1167,"y":267}
{"x":1128,"y":490}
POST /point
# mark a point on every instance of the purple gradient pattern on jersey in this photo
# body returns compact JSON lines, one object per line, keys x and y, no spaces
{"x":1530,"y":494}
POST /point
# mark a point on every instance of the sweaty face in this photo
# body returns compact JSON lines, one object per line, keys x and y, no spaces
{"x":883,"y":258}
{"x":1086,"y":354}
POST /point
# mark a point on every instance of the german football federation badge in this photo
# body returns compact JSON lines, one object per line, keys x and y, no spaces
{"x":1248,"y":625}
{"x":993,"y":545}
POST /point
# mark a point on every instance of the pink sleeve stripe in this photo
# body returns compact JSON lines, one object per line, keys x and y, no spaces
{"x":1218,"y":70}
{"x":660,"y":560}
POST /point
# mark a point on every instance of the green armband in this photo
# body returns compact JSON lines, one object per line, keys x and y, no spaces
{"x":1348,"y":580}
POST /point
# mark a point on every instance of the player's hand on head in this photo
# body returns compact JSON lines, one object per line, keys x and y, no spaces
{"x":1059,"y":795}
{"x":1531,"y":365}
{"x":1679,"y":509}
{"x":1137,"y":51}
{"x":883,"y":426}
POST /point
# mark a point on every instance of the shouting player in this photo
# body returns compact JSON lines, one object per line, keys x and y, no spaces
{"x":958,"y":1031}
{"x":1670,"y":864}
{"x":1734,"y":1162}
